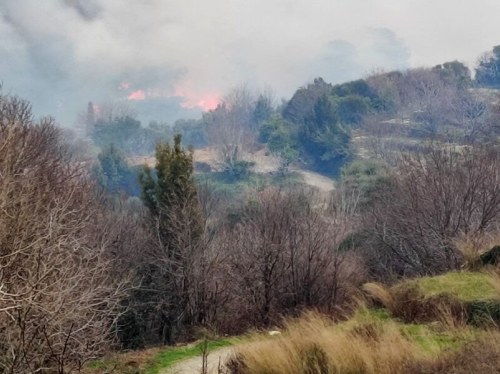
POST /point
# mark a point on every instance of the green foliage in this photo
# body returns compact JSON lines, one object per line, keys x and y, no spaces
{"x":303,"y":101}
{"x":370,"y":178}
{"x":193,"y":132}
{"x":351,"y":109}
{"x":281,"y":139}
{"x":357,"y":88}
{"x":488,"y":70}
{"x":323,"y":138}
{"x":127,"y":134}
{"x":170,"y":195}
{"x":172,"y":184}
{"x":465,"y":286}
{"x":263,"y":110}
{"x":114,"y":174}
{"x":237,"y":170}
{"x":454,"y":72}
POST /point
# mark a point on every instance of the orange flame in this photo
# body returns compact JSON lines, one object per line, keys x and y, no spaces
{"x":138,"y":95}
{"x":191,"y":99}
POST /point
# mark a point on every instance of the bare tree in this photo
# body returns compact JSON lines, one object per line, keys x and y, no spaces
{"x":284,"y":254}
{"x":229,"y":126}
{"x":438,"y":195}
{"x":58,"y":302}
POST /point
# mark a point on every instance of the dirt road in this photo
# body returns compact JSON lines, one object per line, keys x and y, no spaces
{"x":193,"y":365}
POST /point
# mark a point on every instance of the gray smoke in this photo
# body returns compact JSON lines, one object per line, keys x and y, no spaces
{"x":175,"y":56}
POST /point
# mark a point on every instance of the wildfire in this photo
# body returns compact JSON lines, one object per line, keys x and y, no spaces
{"x":138,"y":95}
{"x":191,"y":99}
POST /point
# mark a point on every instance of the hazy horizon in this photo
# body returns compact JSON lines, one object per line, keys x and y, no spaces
{"x":172,"y":59}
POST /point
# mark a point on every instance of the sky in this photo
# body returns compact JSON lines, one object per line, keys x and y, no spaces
{"x":168,"y":59}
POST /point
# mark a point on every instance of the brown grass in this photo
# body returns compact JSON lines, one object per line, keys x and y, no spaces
{"x":472,"y":246}
{"x":123,"y":363}
{"x":314,"y":344}
{"x":408,"y":303}
{"x":478,"y":357}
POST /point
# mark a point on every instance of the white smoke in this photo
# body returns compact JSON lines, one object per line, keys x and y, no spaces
{"x":180,"y":54}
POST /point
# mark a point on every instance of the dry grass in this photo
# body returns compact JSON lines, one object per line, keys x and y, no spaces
{"x":408,"y":303}
{"x":472,"y":246}
{"x":365,"y":344}
{"x":124,"y":363}
{"x":433,"y":333}
{"x":479,"y":356}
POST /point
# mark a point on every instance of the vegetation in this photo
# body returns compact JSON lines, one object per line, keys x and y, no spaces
{"x":371,"y":341}
{"x":488,"y":70}
{"x":87,"y":267}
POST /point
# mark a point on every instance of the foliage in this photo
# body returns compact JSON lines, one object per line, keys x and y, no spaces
{"x":193,"y":132}
{"x":488,"y":69}
{"x":302,"y":102}
{"x":324,"y":139}
{"x":369,"y":178}
{"x":455,"y":72}
{"x":465,"y":286}
{"x":363,"y":344}
{"x":352,"y":109}
{"x":438,"y":194}
{"x":59,"y":299}
{"x":263,"y":110}
{"x":176,"y":221}
{"x":127,"y":134}
{"x":114,"y":174}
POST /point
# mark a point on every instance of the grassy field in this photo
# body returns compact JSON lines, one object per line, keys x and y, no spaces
{"x":418,"y":326}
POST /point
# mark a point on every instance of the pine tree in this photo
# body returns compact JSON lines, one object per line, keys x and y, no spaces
{"x":169,"y":193}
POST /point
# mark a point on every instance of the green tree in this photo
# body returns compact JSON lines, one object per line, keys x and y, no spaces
{"x":169,"y":192}
{"x":368,"y":178}
{"x":323,"y":138}
{"x":263,"y":110}
{"x":488,"y":69}
{"x":302,"y":103}
{"x":114,"y":174}
{"x":454,"y":72}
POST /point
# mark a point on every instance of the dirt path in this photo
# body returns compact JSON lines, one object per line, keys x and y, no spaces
{"x":193,"y":365}
{"x":316,"y":180}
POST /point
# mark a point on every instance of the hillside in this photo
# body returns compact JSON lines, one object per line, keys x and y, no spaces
{"x":264,"y":163}
{"x":443,"y":324}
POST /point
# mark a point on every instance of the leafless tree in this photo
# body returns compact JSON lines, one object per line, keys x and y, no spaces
{"x":284,"y":254}
{"x":439,"y":194}
{"x":58,"y":302}
{"x":229,"y":126}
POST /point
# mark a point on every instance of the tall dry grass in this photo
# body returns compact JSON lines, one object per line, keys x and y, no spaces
{"x":408,"y":303}
{"x":473,"y":246}
{"x":314,"y":344}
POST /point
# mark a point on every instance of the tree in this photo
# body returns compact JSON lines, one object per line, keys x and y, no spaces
{"x":437,"y":195}
{"x":488,"y":69}
{"x":263,"y":109}
{"x":455,"y":72}
{"x":304,"y":99}
{"x":58,"y":298}
{"x":323,"y":138}
{"x":114,"y":174}
{"x":177,"y":223}
{"x":283,"y":254}
{"x":231,"y":129}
